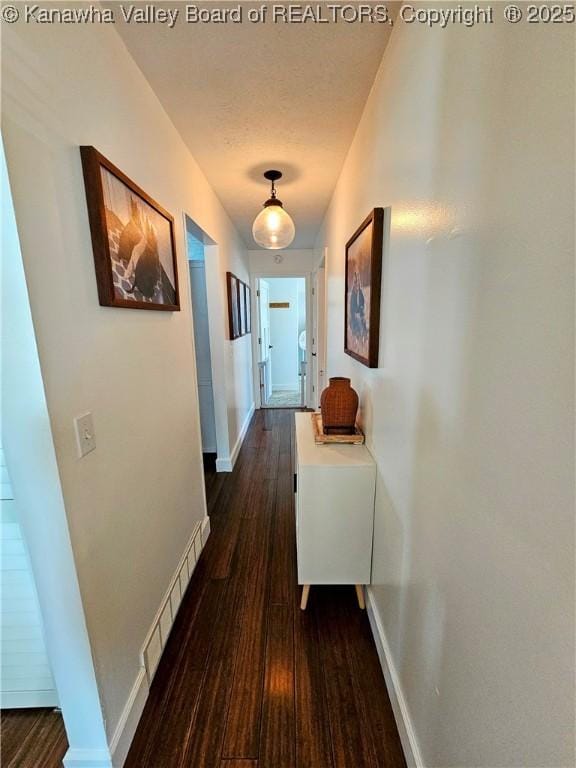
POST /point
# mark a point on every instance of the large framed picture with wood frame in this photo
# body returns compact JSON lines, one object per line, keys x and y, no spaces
{"x":363,"y":277}
{"x":132,"y":239}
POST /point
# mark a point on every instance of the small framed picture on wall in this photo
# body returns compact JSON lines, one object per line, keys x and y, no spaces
{"x":233,"y":306}
{"x":247,"y":300}
{"x":239,"y":316}
{"x":363,"y":277}
{"x":241,"y":307}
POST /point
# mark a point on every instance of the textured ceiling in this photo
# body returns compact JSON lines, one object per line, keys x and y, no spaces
{"x":247,"y":97}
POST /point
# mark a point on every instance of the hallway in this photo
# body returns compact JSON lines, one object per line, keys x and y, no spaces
{"x":247,"y":679}
{"x":211,"y":213}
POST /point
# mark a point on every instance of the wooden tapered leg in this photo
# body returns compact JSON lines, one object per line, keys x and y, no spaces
{"x":305,"y":593}
{"x":360,"y":596}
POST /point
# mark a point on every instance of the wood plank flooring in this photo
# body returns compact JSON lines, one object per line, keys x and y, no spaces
{"x":30,"y":738}
{"x":248,"y":680}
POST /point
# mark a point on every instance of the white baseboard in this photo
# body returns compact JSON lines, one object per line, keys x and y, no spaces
{"x":129,"y":719}
{"x":286,"y":387}
{"x":399,"y":706}
{"x":87,"y":758}
{"x":205,"y":530}
{"x":227,"y":464}
{"x":27,"y":699}
{"x":152,"y":650}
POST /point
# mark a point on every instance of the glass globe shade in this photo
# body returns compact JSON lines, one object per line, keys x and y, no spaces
{"x":273,"y":228}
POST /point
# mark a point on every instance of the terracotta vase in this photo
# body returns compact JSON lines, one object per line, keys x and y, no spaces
{"x":338,"y":404}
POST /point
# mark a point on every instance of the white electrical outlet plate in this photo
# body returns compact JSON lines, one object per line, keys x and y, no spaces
{"x":85,"y":437}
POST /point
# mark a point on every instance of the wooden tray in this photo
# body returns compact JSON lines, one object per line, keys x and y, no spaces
{"x":321,"y":439}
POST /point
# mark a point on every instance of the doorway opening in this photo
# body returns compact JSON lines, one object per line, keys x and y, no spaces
{"x":26,"y":679}
{"x":282,"y":311}
{"x":199,"y":296}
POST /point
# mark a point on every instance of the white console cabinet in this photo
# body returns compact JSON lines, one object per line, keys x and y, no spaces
{"x":335,"y":487}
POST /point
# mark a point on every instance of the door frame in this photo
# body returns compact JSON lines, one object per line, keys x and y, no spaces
{"x":267,"y":275}
{"x":217,"y":334}
{"x":318,"y":353}
{"x":266,"y":386}
{"x":194,"y":268}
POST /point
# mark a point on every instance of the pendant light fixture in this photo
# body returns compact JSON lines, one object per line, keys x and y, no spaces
{"x":273,"y":228}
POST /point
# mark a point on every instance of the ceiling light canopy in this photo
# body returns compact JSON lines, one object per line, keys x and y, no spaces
{"x":273,"y":228}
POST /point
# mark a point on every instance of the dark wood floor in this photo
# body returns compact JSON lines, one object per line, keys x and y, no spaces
{"x":30,"y":738}
{"x":248,"y":680}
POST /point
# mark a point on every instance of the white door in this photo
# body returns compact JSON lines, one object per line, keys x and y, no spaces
{"x":25,"y":675}
{"x":319,"y":336}
{"x":313,"y":356}
{"x":265,"y":362}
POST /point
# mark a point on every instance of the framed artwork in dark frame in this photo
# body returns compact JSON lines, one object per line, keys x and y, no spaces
{"x":242,"y":307}
{"x":233,"y":306}
{"x":132,"y":239}
{"x":363,"y":278}
{"x":239,"y":314}
{"x":247,"y":301}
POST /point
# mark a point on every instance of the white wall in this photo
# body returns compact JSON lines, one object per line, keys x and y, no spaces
{"x":133,"y":503}
{"x":27,"y":439}
{"x":301,"y":306}
{"x":297,"y":262}
{"x":468,"y":136}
